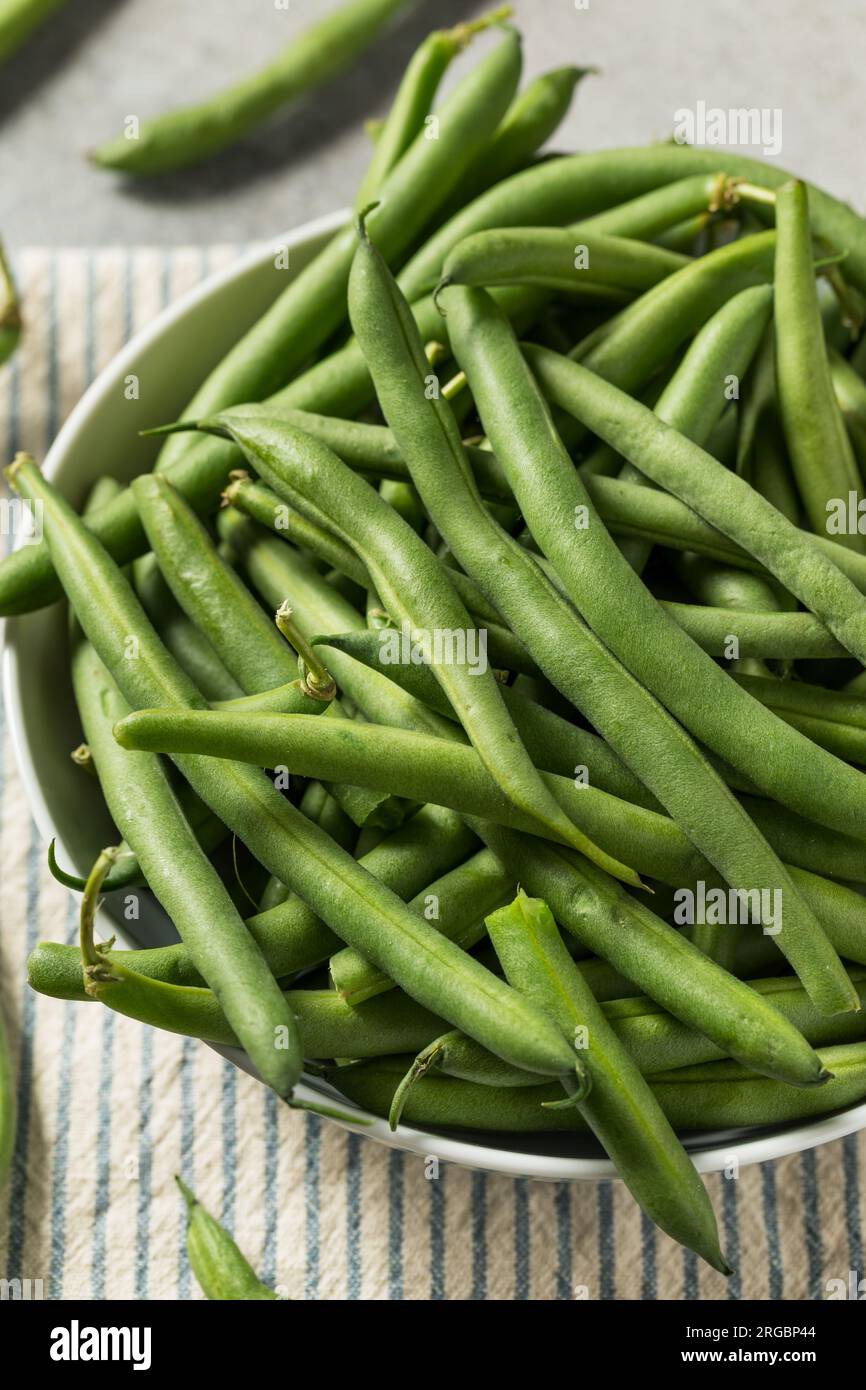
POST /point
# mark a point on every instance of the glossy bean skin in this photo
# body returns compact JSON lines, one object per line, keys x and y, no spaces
{"x":602,"y":585}
{"x":298,"y":853}
{"x":217,"y":1263}
{"x":548,"y":257}
{"x":619,"y":1108}
{"x":700,"y":1098}
{"x":189,"y":134}
{"x":818,"y":446}
{"x":313,"y":306}
{"x":417,"y":591}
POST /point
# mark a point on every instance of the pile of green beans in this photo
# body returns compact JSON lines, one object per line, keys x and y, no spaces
{"x":549,"y":575}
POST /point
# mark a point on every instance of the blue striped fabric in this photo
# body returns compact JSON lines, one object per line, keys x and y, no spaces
{"x":109,"y":1113}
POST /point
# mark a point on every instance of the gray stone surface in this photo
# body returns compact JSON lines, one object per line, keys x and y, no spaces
{"x":99,"y":60}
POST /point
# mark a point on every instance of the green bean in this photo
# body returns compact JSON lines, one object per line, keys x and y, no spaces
{"x":189,"y":646}
{"x":414,"y":98}
{"x":532,"y":118}
{"x":849,"y":387}
{"x":832,"y":718}
{"x":313,"y":306}
{"x":300,"y":468}
{"x":716,"y":493}
{"x":189,"y":134}
{"x":10,"y":308}
{"x":716,"y":1095}
{"x":560,"y":191}
{"x":290,"y":936}
{"x":457,"y":904}
{"x":145,"y":810}
{"x":215,"y":1260}
{"x":217,"y":601}
{"x":552,"y":742}
{"x":428,"y":769}
{"x":559,"y":259}
{"x":695,"y":396}
{"x":18,"y":19}
{"x":557,"y":508}
{"x":654,"y":1041}
{"x":275,"y":570}
{"x":644,"y":335}
{"x":210,"y":593}
{"x":661,"y":962}
{"x":619,"y":1109}
{"x":369,"y":916}
{"x":721,"y":632}
{"x":268,"y":508}
{"x":451,"y":774}
{"x":649,"y":215}
{"x":263,"y":505}
{"x":736,"y":729}
{"x":340,"y":383}
{"x":329,"y":1025}
{"x":818,"y":445}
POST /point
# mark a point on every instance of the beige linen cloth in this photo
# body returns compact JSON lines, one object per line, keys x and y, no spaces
{"x":109,"y":1111}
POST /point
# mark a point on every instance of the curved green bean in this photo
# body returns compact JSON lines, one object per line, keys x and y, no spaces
{"x":619,"y":1108}
{"x":559,"y":259}
{"x":190,"y":134}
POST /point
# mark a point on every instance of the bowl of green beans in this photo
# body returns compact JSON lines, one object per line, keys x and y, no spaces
{"x":473,"y":681}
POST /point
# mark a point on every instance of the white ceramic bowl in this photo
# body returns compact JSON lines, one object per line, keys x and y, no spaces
{"x":170,"y":357}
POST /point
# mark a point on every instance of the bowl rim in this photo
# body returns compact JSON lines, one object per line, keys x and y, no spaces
{"x":711,"y":1155}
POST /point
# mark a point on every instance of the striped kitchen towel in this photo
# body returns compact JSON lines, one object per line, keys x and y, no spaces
{"x":109,"y":1111}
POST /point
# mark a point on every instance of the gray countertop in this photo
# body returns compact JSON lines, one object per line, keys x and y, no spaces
{"x":97,"y":61}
